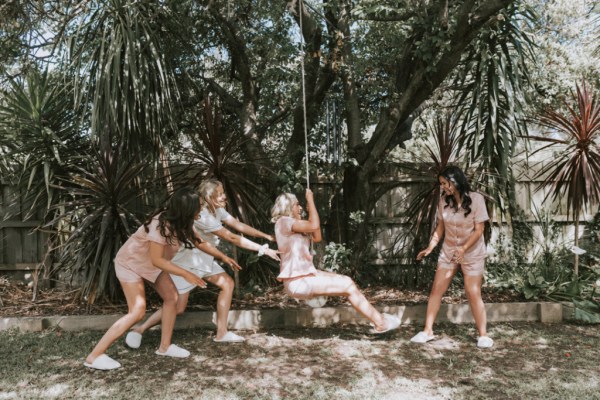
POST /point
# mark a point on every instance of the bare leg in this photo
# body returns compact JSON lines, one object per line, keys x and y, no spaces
{"x":442,"y":280}
{"x":168,"y":292}
{"x":473,"y":291}
{"x":155,"y":318}
{"x":330,"y":284}
{"x":136,"y":303}
{"x":226,"y":284}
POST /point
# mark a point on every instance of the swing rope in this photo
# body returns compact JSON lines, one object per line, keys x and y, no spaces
{"x":318,"y":301}
{"x":306,"y":157}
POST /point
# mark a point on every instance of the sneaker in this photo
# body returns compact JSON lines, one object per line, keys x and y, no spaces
{"x":484,"y":342}
{"x":422,"y":337}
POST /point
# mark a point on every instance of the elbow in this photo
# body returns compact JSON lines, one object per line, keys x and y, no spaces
{"x":317,"y":239}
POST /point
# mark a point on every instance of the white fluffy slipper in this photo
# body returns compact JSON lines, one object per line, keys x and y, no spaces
{"x":174,"y":351}
{"x":229,"y":337}
{"x":485,"y":342}
{"x":391,"y":322}
{"x":422,"y":337}
{"x":103,"y":362}
{"x":133,"y":339}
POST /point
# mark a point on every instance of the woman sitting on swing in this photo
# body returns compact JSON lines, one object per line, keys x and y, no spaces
{"x":300,"y":278}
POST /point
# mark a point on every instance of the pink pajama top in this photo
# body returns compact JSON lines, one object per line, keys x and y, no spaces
{"x":135,"y":253}
{"x":296,"y":259}
{"x":458,"y":228}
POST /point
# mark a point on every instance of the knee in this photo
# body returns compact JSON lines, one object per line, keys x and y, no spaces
{"x":180,"y":309}
{"x":473,"y":293}
{"x":138,"y":312}
{"x":171,"y":297}
{"x":228,"y":285}
{"x":350,"y":285}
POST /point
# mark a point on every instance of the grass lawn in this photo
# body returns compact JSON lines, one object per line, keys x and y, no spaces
{"x":529,"y":361}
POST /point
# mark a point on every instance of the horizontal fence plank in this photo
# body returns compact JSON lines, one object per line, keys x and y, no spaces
{"x":18,"y":267}
{"x":19,"y":224}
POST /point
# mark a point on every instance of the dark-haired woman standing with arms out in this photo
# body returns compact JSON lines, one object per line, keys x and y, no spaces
{"x":147,"y":255}
{"x":460,"y":221}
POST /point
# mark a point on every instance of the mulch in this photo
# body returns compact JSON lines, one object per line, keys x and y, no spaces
{"x":16,"y":300}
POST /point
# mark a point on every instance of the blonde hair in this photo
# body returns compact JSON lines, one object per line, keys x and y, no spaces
{"x":207,"y":189}
{"x":283,"y":206}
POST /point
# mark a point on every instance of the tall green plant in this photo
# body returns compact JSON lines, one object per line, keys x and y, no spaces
{"x":443,"y":150}
{"x":574,"y":174}
{"x":217,"y":150}
{"x":492,"y":85}
{"x":105,"y":208}
{"x":117,"y":51}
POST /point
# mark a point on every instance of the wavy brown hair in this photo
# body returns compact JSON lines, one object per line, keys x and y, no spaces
{"x":176,"y":218}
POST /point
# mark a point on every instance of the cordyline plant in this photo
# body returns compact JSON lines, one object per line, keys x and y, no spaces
{"x":574,"y":173}
{"x":438,"y":155}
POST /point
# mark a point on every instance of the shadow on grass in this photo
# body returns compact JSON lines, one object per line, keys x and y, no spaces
{"x":529,"y":360}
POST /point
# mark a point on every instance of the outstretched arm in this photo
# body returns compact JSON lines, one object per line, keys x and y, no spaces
{"x":216,"y":253}
{"x":247,"y":229}
{"x":435,"y":239}
{"x":244,"y":243}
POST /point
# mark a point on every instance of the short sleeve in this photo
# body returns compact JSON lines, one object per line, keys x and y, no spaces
{"x":208,"y":222}
{"x":285,"y":226}
{"x":440,"y":210}
{"x":154,"y":233}
{"x":222,"y":214}
{"x":478,"y":207}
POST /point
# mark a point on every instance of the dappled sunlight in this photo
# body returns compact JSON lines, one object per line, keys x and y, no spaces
{"x":334,"y":363}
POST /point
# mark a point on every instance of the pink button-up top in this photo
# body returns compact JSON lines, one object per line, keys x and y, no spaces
{"x":458,"y":228}
{"x":296,"y":259}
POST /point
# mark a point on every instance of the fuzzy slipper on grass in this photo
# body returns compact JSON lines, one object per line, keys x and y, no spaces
{"x":103,"y":362}
{"x":133,"y":339}
{"x":229,"y":337}
{"x":422,"y":337}
{"x":174,"y":351}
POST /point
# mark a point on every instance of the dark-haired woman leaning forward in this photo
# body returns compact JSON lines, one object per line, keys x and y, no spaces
{"x":460,"y":221}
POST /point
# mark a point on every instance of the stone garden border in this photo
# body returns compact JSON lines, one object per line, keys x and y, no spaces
{"x":305,"y":317}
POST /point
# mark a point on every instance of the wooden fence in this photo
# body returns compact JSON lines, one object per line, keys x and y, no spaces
{"x":22,"y":248}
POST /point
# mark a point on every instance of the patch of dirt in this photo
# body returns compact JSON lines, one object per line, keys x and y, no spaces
{"x":16,"y":300}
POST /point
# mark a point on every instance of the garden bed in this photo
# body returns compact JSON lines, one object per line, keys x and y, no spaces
{"x":16,"y":300}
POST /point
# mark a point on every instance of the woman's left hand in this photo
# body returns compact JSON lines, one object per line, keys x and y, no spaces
{"x":459,"y":255}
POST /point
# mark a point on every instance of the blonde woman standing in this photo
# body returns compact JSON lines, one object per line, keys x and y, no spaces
{"x":210,"y":228}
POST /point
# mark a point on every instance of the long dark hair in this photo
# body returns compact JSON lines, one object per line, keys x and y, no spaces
{"x":176,"y":217}
{"x":457,"y":177}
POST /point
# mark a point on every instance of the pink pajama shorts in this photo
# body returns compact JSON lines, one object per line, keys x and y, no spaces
{"x":125,"y":274}
{"x":321,"y":283}
{"x":470,"y":268}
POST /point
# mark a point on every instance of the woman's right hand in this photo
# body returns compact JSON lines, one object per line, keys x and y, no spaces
{"x":310,"y":197}
{"x":274,"y":254}
{"x":195,"y":279}
{"x":423,"y":253}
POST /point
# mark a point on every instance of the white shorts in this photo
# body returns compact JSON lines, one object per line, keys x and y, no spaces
{"x":196,"y":265}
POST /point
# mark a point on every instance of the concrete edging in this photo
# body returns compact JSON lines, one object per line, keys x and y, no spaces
{"x":311,"y":317}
